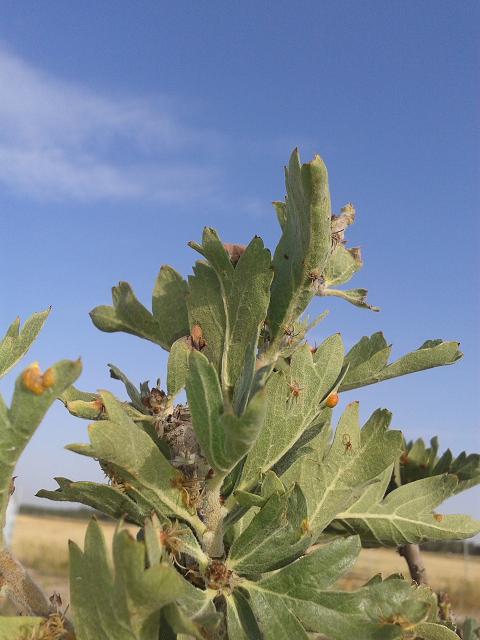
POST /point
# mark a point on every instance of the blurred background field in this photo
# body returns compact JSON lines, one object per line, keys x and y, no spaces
{"x":41,"y":543}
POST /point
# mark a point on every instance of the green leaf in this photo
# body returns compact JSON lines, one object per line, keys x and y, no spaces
{"x":277,"y":621}
{"x":382,"y":610}
{"x":72,"y":393}
{"x":471,"y":629}
{"x":105,"y":498}
{"x":406,"y":514}
{"x":296,"y":599}
{"x":224,"y":437}
{"x":169,"y":304}
{"x":178,"y":366}
{"x":245,"y":293}
{"x":171,"y":539}
{"x":133,"y":392}
{"x":355,"y":458}
{"x":287,"y":415}
{"x":206,"y":308}
{"x":275,"y":536}
{"x":130,"y":316}
{"x":368,"y":360}
{"x":241,"y":622}
{"x":305,"y":243}
{"x":365,"y":360}
{"x":342,"y":265}
{"x":16,"y":343}
{"x":118,"y":603}
{"x":30,"y":403}
{"x":419,"y":461}
{"x":313,"y":441}
{"x":181,"y":623}
{"x":19,"y":627}
{"x":432,"y":631}
{"x":357,"y":297}
{"x":140,"y":463}
{"x":98,"y":614}
{"x":316,"y":571}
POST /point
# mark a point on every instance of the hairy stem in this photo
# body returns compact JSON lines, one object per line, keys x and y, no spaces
{"x":416,"y":566}
{"x":213,"y":516}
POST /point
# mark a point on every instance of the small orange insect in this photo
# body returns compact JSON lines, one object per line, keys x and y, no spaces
{"x":347,"y":442}
{"x":332,"y":400}
{"x":438,"y":517}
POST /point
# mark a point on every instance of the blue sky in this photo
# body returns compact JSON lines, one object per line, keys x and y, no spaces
{"x":126,"y":127}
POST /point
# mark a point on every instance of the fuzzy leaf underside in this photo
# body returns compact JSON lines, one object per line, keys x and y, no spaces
{"x":177,"y":368}
{"x":287,"y":414}
{"x":406,"y":514}
{"x":305,"y":243}
{"x":369,"y":357}
{"x":355,"y":458}
{"x":16,"y":342}
{"x":139,"y":462}
{"x":103,"y":497}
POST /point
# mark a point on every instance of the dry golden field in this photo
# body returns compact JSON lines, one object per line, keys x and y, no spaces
{"x":41,"y":544}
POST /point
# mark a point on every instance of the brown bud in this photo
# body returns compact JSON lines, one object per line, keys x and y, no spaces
{"x":196,"y":337}
{"x":235,"y":251}
{"x":12,"y":486}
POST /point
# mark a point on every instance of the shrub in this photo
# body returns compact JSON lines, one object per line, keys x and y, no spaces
{"x":250,"y":506}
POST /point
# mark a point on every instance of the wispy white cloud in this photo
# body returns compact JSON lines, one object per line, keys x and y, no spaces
{"x":60,"y":140}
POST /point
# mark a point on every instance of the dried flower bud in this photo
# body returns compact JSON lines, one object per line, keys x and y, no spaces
{"x":196,"y":337}
{"x":235,"y":251}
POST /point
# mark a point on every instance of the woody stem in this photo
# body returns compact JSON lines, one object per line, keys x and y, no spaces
{"x":416,"y":566}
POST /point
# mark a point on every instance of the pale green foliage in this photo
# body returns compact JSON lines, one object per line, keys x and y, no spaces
{"x":17,"y":342}
{"x":250,"y":505}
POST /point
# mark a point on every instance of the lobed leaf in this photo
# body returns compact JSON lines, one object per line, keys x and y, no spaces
{"x":16,"y":342}
{"x":245,"y":293}
{"x":163,"y":327}
{"x":105,"y":498}
{"x":288,"y":415}
{"x":305,"y":242}
{"x":406,"y":514}
{"x":169,"y":305}
{"x":29,"y":405}
{"x":368,"y":360}
{"x":355,"y":458}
